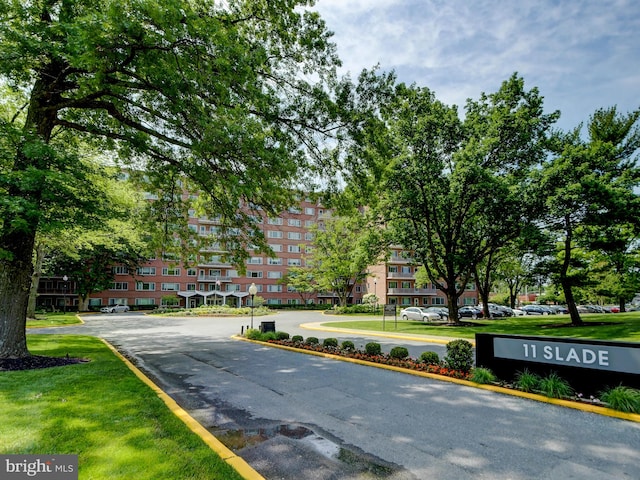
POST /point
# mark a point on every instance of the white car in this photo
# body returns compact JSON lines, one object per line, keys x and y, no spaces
{"x":419,"y":313}
{"x":115,"y":308}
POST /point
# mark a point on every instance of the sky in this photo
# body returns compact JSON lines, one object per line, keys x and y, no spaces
{"x":581,"y":54}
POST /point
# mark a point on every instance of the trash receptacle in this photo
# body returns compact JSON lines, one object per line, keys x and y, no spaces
{"x":268,"y":327}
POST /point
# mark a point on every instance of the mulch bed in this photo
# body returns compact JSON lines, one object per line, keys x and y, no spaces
{"x":36,"y":361}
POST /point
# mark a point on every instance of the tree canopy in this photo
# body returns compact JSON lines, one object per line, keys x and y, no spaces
{"x":238,"y":97}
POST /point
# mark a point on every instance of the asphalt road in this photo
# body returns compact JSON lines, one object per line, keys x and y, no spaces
{"x":297,"y":416}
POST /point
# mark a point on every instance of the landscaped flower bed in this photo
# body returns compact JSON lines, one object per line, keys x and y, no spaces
{"x":382,"y":359}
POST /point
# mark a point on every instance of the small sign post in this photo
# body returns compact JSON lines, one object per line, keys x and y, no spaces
{"x":389,"y":309}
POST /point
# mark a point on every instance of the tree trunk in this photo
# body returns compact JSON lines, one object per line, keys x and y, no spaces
{"x":15,"y":283}
{"x":35,"y":281}
{"x":564,"y":279}
{"x":17,"y":239}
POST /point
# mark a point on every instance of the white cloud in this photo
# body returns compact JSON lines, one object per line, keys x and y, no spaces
{"x":582,"y":55}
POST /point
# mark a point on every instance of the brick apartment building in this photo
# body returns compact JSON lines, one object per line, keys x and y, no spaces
{"x":394,"y":282}
{"x":213,"y":281}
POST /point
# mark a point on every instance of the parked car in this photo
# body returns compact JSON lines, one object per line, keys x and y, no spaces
{"x":536,"y":310}
{"x":420,"y":314}
{"x":115,"y":308}
{"x":559,"y":309}
{"x":470,"y":312}
{"x":518,"y":313}
{"x":442,"y":311}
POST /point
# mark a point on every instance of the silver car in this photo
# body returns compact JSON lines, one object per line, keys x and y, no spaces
{"x":115,"y":308}
{"x":420,"y":314}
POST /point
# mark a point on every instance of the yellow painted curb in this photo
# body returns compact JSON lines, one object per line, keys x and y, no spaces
{"x":238,"y":463}
{"x":608,"y":412}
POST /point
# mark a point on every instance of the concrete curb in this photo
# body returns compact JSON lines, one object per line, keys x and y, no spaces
{"x":238,"y":463}
{"x":608,"y":412}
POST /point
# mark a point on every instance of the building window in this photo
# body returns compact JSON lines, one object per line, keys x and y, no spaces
{"x":274,"y":274}
{"x":308,"y":236}
{"x":170,"y":272}
{"x":274,"y":288}
{"x":255,"y":261}
{"x":254,"y":274}
{"x":274,"y":234}
{"x":292,"y":301}
{"x":146,"y":286}
{"x":310,"y":211}
{"x":191,"y":287}
{"x":469,"y":301}
{"x":309,"y":223}
{"x":437,"y":301}
{"x":192,"y":272}
{"x":145,"y":301}
{"x":120,"y":270}
{"x":294,"y":236}
{"x":393,"y":284}
{"x":274,"y":261}
{"x":273,"y":301}
{"x":275,"y":247}
{"x":170,"y":287}
{"x":294,"y":222}
{"x":393,"y":269}
{"x":275,"y":221}
{"x":119,"y":286}
{"x":294,"y":262}
{"x":293,"y":248}
{"x":406,"y":301}
{"x":146,"y":271}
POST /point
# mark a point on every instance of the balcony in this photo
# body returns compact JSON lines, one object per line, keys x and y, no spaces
{"x":215,"y":278}
{"x":393,"y":275}
{"x":411,"y":291}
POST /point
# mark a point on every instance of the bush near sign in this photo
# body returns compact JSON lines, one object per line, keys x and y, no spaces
{"x":589,"y":366}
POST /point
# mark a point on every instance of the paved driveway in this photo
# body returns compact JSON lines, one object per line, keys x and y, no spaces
{"x":296,"y":416}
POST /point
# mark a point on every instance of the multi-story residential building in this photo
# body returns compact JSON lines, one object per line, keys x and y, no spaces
{"x":212,"y":280}
{"x":394,"y":282}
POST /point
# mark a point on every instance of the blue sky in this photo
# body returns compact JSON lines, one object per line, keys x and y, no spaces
{"x":581,"y":54}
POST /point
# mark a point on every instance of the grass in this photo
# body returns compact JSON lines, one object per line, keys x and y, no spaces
{"x":57,"y":319}
{"x":101,"y":411}
{"x":612,"y":326}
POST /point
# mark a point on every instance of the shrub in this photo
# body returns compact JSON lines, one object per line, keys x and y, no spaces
{"x":399,"y":352}
{"x":555,"y":387}
{"x":297,"y":339}
{"x":253,"y":334}
{"x":622,"y":398}
{"x":266,"y":336}
{"x":430,"y":358}
{"x":348,"y":345}
{"x":330,"y":342}
{"x":527,"y":381}
{"x":312,"y":341}
{"x":459,"y":355}
{"x":282,"y":335}
{"x":373,"y":348}
{"x":482,"y":375}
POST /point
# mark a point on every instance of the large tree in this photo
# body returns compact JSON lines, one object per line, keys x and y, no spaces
{"x":588,"y":189}
{"x":217,"y":92}
{"x":453,"y":190}
{"x":343,"y":249}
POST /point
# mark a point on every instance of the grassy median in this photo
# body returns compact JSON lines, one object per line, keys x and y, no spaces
{"x":101,"y":411}
{"x":611,"y":326}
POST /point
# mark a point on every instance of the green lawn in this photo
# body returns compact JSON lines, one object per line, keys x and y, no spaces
{"x":101,"y":411}
{"x":618,"y":326}
{"x":53,"y":320}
